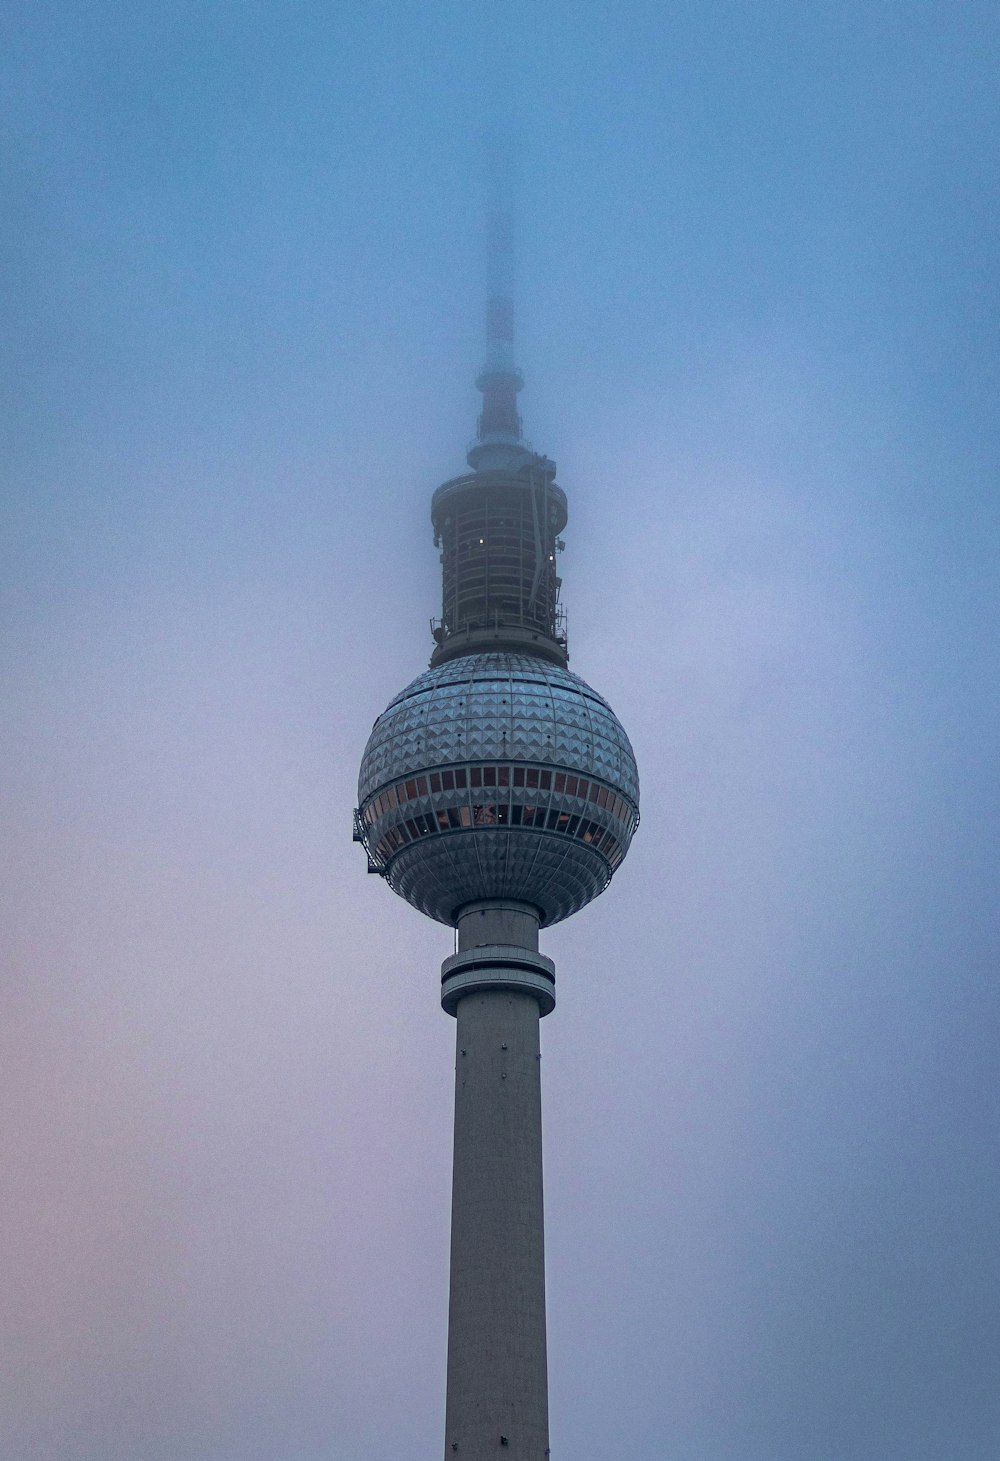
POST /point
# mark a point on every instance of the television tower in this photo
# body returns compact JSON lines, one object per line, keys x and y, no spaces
{"x":498,"y":794}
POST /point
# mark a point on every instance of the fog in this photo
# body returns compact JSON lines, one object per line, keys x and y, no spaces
{"x":756,"y":315}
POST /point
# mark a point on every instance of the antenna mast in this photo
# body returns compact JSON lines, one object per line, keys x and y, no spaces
{"x":499,"y":380}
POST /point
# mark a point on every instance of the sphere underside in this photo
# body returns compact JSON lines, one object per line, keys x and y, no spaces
{"x":497,"y":776}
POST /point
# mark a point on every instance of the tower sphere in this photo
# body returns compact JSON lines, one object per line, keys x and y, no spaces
{"x":497,"y":776}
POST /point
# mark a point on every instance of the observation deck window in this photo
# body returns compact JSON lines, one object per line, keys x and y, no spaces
{"x":552,"y":815}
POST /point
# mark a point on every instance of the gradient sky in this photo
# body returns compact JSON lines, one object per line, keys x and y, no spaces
{"x":758,"y":323}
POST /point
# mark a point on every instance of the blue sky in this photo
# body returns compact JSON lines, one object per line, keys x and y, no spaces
{"x":757,"y":320}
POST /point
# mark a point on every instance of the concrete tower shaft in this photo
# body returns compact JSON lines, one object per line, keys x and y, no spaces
{"x":497,"y":1399}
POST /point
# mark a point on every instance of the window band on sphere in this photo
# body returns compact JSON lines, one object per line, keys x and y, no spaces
{"x":430,"y":817}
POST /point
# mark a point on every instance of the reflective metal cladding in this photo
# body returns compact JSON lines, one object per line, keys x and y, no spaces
{"x":497,"y":775}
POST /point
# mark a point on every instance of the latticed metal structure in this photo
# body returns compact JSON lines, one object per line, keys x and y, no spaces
{"x":498,"y":532}
{"x":498,"y":794}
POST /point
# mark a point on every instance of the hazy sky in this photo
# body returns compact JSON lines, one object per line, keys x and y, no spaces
{"x":758,"y":323}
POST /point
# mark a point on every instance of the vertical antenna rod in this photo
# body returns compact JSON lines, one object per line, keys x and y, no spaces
{"x":500,"y":380}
